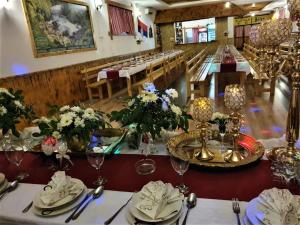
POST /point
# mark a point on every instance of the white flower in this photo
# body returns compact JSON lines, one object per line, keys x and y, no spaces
{"x":175,"y":109}
{"x":148,"y":97}
{"x":64,"y":108}
{"x":56,"y":135}
{"x":3,"y":110}
{"x":89,"y":113}
{"x":76,"y":109}
{"x":65,"y":120}
{"x":164,"y":106}
{"x":220,"y":116}
{"x":131,"y":102}
{"x":19,"y":104}
{"x":166,"y":98}
{"x":41,"y":120}
{"x":79,"y":122}
{"x":5,"y":91}
{"x":172,"y":93}
{"x":69,"y":114}
{"x":150,"y":87}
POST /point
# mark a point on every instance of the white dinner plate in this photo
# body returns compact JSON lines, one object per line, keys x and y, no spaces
{"x":177,"y":206}
{"x":37,"y":202}
{"x":131,"y":219}
{"x":58,"y":211}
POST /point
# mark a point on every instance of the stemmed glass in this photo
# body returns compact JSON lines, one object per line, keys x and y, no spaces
{"x":62,"y":149}
{"x":145,"y":166}
{"x":14,"y":148}
{"x":95,"y":158}
{"x":222,"y":132}
{"x":180,"y":166}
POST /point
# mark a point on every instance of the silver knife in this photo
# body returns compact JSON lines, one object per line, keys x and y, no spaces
{"x":87,"y":196}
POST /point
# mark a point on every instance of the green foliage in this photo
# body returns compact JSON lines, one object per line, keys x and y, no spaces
{"x":151,"y":116}
{"x":12,"y":110}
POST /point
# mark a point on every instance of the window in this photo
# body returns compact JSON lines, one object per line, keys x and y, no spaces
{"x":121,"y":21}
{"x":196,"y":31}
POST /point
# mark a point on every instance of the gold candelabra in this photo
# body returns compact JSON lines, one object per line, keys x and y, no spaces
{"x":235,"y":97}
{"x":202,"y":113}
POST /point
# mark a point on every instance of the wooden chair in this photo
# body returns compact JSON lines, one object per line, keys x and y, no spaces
{"x":90,"y":76}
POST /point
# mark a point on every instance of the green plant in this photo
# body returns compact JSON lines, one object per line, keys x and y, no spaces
{"x":12,"y":110}
{"x":67,"y":122}
{"x":152,"y":111}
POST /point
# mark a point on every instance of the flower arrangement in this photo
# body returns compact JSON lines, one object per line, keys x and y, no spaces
{"x":69,"y":122}
{"x":153,"y":110}
{"x":12,"y":109}
{"x":221,"y":120}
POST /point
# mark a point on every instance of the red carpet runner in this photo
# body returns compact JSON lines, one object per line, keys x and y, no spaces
{"x":244,"y":183}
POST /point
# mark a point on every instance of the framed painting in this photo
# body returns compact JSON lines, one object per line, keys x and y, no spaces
{"x":59,"y":26}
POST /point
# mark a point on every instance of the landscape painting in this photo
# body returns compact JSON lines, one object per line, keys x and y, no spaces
{"x":59,"y":26}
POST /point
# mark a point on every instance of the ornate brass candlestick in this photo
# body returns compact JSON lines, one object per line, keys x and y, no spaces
{"x":292,"y":62}
{"x":202,"y":113}
{"x":234,"y":98}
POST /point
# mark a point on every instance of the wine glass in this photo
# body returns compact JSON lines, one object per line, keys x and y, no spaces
{"x":180,"y":165}
{"x":95,"y":157}
{"x":62,"y":149}
{"x":222,"y":132}
{"x":145,"y":166}
{"x":14,"y":149}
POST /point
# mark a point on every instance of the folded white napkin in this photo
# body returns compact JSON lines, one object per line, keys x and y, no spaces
{"x":156,"y":199}
{"x":60,"y":186}
{"x":280,"y":207}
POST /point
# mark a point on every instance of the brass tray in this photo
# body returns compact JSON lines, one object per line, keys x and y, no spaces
{"x":182,"y":144}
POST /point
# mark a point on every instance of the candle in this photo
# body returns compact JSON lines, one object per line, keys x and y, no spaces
{"x":202,"y":109}
{"x":234,"y":97}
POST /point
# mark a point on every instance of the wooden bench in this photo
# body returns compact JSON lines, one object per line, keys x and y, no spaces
{"x":191,"y":68}
{"x":90,"y":76}
{"x":200,"y":81}
{"x":172,"y":64}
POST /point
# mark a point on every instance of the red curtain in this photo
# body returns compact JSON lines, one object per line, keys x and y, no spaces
{"x":195,"y":35}
{"x":121,"y":20}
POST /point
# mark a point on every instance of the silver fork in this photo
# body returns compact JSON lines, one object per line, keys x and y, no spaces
{"x":236,"y":209}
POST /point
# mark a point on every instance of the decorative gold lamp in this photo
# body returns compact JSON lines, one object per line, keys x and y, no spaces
{"x":235,"y":97}
{"x":202,"y":113}
{"x":292,"y":63}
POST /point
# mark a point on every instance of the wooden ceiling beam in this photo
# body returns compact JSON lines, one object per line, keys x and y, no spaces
{"x":197,"y":12}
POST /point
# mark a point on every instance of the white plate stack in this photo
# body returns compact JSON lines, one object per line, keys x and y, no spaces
{"x":273,"y":207}
{"x":157,"y":203}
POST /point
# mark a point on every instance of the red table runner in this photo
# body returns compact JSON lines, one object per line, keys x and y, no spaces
{"x":244,"y":183}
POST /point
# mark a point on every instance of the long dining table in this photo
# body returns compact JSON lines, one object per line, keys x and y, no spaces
{"x":130,"y":71}
{"x":214,"y":188}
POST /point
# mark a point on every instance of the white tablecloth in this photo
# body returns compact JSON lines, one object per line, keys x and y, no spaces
{"x":242,"y":65}
{"x":138,"y":68}
{"x":207,"y":211}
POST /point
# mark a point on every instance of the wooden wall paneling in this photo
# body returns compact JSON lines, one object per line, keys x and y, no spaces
{"x":59,"y":86}
{"x":197,"y":12}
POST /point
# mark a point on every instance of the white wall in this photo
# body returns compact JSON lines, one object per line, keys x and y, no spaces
{"x":16,"y":55}
{"x":230,"y":27}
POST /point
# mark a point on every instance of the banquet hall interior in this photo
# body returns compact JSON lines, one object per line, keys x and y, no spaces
{"x":150,"y":112}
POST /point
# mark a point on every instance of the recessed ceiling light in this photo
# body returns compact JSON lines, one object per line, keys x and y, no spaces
{"x":253,"y":14}
{"x":253,"y":5}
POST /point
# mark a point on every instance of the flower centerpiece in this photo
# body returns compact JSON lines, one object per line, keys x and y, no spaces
{"x":153,"y":110}
{"x":73,"y":124}
{"x":12,"y":109}
{"x":221,"y":120}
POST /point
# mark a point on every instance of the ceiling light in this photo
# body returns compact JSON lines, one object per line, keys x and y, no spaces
{"x":253,"y":5}
{"x":227,"y":4}
{"x":253,"y":14}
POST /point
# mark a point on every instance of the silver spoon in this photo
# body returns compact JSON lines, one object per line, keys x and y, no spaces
{"x":190,"y":203}
{"x":12,"y":186}
{"x":98,"y":192}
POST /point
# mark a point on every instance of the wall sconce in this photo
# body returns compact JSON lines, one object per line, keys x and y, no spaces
{"x":227,"y":4}
{"x":98,"y":4}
